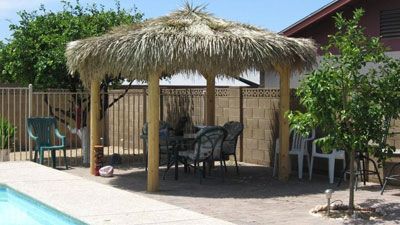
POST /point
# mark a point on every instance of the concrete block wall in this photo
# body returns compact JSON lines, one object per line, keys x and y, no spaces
{"x":260,"y":119}
{"x":256,"y":108}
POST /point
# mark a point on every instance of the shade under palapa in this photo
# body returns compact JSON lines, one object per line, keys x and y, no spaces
{"x":187,"y":40}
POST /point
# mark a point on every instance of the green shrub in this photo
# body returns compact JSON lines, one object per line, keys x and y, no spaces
{"x":7,"y":131}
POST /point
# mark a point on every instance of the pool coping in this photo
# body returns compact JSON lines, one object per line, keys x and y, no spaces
{"x":92,"y":202}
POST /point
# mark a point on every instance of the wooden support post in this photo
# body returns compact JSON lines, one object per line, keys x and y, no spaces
{"x":153,"y":136}
{"x":241,"y":149}
{"x":210,"y":100}
{"x":94,"y":122}
{"x":284,"y":159}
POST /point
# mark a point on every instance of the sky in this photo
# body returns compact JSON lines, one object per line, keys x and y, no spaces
{"x":274,"y":15}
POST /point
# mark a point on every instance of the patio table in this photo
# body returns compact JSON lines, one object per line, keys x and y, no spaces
{"x":180,"y":143}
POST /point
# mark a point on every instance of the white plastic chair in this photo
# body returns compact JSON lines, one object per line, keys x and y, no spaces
{"x":299,"y":148}
{"x":335,"y":154}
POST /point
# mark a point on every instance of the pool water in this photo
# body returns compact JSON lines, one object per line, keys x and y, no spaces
{"x":19,"y":209}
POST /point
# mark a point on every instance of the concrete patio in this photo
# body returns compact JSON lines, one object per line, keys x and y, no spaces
{"x":253,"y":197}
{"x":92,"y":202}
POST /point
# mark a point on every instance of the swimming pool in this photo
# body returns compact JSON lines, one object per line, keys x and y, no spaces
{"x":17,"y":208}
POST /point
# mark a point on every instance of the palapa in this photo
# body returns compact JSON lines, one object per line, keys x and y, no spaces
{"x":187,"y":40}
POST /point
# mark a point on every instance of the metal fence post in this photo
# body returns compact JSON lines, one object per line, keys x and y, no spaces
{"x":204,"y":106}
{"x":1,"y":134}
{"x":144,"y":120}
{"x":161,"y":105}
{"x":29,"y":115}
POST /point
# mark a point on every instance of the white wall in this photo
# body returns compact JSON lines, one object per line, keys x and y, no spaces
{"x":272,"y":79}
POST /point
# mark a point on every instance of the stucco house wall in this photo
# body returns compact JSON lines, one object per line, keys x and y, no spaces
{"x":320,"y":29}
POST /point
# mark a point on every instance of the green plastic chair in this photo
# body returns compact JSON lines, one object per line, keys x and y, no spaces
{"x":40,"y":129}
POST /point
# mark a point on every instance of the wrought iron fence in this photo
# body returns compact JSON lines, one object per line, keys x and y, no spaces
{"x":123,"y":114}
{"x":15,"y":107}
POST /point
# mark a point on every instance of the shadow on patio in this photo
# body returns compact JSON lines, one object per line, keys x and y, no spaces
{"x":252,"y":182}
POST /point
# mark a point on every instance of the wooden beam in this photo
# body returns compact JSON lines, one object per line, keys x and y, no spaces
{"x":284,"y":106}
{"x":153,"y":136}
{"x":210,"y":100}
{"x":94,"y":122}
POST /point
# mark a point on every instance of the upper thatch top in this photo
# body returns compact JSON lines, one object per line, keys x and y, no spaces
{"x":187,"y":40}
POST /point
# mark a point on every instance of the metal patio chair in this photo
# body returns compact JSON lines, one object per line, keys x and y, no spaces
{"x":40,"y":130}
{"x":234,"y":129}
{"x":391,"y":176}
{"x":166,"y":145}
{"x":207,"y":147}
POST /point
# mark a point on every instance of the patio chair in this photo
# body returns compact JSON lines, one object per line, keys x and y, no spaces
{"x":40,"y":130}
{"x":332,"y":157}
{"x":299,"y":147}
{"x":234,"y":129}
{"x":164,"y":141}
{"x":391,"y":177}
{"x":207,"y":147}
{"x":362,"y":170}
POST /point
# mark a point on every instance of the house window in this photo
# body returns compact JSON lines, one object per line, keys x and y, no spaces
{"x":390,"y":23}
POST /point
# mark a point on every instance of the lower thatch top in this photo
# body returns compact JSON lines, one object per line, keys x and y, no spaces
{"x":187,"y":40}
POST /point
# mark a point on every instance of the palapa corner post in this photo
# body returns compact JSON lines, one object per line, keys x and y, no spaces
{"x":210,"y":100}
{"x":153,"y":116}
{"x":284,"y":106}
{"x":94,"y":122}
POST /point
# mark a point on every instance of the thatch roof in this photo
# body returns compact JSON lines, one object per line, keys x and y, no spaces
{"x":187,"y":40}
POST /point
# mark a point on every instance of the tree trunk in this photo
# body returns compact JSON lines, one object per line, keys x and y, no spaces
{"x":352,"y":181}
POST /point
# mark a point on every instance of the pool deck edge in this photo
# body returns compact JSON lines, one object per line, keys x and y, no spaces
{"x":92,"y":202}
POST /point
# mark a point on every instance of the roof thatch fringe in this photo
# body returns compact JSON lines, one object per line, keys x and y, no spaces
{"x":188,"y":40}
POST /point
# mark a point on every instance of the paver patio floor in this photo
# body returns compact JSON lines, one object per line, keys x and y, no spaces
{"x":253,"y":197}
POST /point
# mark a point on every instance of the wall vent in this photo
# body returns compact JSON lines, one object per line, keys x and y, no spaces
{"x":390,"y":23}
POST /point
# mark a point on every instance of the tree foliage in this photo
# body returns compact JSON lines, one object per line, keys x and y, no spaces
{"x":35,"y":53}
{"x":353,"y":95}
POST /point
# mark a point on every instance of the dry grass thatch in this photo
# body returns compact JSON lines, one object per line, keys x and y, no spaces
{"x":187,"y":40}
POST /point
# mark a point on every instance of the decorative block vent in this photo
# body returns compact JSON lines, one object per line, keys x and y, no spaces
{"x":182,"y":92}
{"x":221,"y":92}
{"x":264,"y":93}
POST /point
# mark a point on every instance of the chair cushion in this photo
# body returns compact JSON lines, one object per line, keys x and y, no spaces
{"x":188,"y":154}
{"x":228,"y":148}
